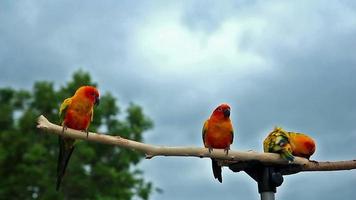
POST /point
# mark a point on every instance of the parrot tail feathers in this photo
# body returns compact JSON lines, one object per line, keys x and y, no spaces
{"x":63,"y":159}
{"x":286,"y":155}
{"x":216,"y":170}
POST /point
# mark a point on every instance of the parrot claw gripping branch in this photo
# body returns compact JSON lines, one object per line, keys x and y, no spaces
{"x":267,"y":169}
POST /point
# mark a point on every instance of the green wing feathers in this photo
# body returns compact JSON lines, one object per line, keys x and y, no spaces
{"x":66,"y":146}
{"x":278,"y":142}
{"x":205,"y":127}
{"x":287,"y":155}
{"x":232,"y":136}
{"x":92,"y":114}
{"x":63,"y":108}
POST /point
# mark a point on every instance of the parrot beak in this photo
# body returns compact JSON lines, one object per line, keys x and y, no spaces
{"x":227,"y":113}
{"x":97,"y":101}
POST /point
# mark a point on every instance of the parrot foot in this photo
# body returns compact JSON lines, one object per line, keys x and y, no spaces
{"x":64,"y":127}
{"x":314,"y":161}
{"x":87,"y":132}
{"x":210,"y":149}
{"x":226,"y":150}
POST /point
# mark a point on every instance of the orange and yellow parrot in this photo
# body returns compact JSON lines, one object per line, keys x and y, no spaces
{"x":75,"y":112}
{"x":289,"y":144}
{"x":218,"y":133}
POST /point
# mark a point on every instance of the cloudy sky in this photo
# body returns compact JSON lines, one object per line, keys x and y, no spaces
{"x":275,"y":62}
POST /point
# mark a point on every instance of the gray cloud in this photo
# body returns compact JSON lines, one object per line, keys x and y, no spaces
{"x":276,"y":63}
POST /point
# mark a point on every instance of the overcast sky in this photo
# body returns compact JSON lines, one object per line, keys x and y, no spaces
{"x":275,"y":62}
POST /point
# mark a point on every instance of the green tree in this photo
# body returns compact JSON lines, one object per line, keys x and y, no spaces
{"x":28,"y":158}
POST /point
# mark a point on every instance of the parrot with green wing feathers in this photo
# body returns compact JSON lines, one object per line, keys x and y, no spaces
{"x":218,"y":133}
{"x":289,"y":144}
{"x":75,"y":112}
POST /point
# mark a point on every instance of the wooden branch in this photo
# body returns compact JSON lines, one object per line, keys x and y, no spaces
{"x":236,"y":158}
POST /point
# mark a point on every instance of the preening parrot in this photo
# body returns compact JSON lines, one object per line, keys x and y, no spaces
{"x":75,"y":112}
{"x":218,"y":133}
{"x":289,"y":144}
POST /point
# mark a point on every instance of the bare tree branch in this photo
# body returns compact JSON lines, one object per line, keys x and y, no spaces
{"x":237,"y":158}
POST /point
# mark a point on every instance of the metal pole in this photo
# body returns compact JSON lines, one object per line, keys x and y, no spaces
{"x":265,"y":186}
{"x":267,"y":195}
{"x":268,"y":178}
{"x":268,"y":182}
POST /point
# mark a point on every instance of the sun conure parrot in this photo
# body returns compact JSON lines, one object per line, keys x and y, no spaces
{"x":218,"y":133}
{"x":289,"y":144}
{"x":75,"y":112}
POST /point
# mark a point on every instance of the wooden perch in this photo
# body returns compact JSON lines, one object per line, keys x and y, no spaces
{"x":236,"y":158}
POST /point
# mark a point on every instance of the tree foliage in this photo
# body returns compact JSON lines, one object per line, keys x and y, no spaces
{"x":28,"y":158}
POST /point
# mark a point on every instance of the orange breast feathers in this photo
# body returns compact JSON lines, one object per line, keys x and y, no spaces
{"x":302,"y":145}
{"x":78,"y":110}
{"x":218,"y":130}
{"x":77,"y":120}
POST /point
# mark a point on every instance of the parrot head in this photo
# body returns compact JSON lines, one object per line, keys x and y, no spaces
{"x":222,"y":111}
{"x":89,"y":92}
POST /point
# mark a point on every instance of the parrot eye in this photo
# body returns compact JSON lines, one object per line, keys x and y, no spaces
{"x":219,"y":109}
{"x":92,"y":94}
